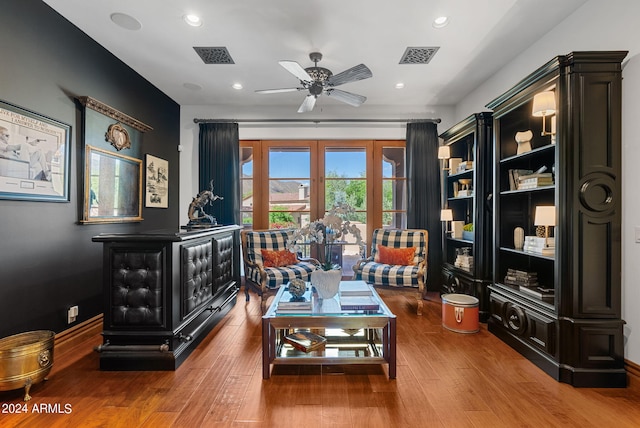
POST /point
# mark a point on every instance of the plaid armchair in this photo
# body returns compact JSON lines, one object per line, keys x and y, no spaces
{"x":265,"y":281}
{"x":409,"y":277}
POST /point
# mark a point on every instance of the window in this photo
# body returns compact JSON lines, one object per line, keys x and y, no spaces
{"x":289,"y":183}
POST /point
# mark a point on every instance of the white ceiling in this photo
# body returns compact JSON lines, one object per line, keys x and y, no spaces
{"x":482,"y":36}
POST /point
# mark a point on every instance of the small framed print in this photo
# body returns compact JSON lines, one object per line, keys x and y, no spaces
{"x":157,"y":182}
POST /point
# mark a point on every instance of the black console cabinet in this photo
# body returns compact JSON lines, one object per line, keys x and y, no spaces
{"x":163,"y":292}
{"x":560,"y":305}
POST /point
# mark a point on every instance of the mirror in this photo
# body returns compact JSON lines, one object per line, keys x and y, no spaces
{"x":112,"y":188}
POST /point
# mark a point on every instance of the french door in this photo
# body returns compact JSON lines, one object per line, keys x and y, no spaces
{"x":287,"y":184}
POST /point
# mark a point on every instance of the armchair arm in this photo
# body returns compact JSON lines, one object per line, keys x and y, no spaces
{"x":310,"y":260}
{"x":357,"y":268}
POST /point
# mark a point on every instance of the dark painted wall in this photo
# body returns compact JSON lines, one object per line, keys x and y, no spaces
{"x":47,"y":260}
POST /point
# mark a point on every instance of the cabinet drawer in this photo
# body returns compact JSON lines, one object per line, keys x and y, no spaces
{"x":535,"y":328}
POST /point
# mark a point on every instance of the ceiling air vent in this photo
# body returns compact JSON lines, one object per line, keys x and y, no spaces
{"x":418,"y":55}
{"x":216,"y":55}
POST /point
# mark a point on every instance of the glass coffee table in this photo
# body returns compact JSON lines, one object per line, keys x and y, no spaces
{"x":352,"y":336}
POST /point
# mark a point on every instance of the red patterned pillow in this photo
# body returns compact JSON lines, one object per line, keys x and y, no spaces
{"x":395,"y":256}
{"x":278,"y":258}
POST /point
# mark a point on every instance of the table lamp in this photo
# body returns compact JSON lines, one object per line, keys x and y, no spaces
{"x":544,"y":104}
{"x":444,"y":153}
{"x":545,"y":216}
{"x":446,"y":215}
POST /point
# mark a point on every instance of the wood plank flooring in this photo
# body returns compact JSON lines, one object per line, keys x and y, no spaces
{"x":445,"y":379}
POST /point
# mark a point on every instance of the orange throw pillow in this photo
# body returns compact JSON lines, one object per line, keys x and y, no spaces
{"x":278,"y":258}
{"x":395,"y":256}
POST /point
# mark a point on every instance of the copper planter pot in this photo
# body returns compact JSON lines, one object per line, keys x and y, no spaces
{"x":25,"y":359}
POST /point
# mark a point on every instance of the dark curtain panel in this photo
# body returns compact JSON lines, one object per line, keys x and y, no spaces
{"x":423,"y":192}
{"x":219,"y":160}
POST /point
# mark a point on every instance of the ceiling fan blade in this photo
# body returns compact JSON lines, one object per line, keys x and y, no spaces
{"x":346,"y":97}
{"x":308,"y":104}
{"x":297,"y":70}
{"x":359,"y":72}
{"x":277,"y":91}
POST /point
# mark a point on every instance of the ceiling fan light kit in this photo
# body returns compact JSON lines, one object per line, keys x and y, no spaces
{"x":318,"y":80}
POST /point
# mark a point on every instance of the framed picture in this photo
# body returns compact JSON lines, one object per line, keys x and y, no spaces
{"x":34,"y":156}
{"x":112,"y":188}
{"x":157,"y":180}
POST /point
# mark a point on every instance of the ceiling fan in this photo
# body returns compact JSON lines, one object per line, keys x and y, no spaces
{"x":319,"y":80}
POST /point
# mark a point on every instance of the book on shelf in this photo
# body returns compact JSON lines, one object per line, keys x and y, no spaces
{"x":542,"y":251}
{"x":538,"y":245}
{"x":544,"y":294}
{"x":540,"y":242}
{"x":305,"y":341}
{"x":521,"y":278}
{"x":355,"y":288}
{"x":539,"y":175}
{"x":514,"y":177}
{"x":534,"y":183}
{"x":358,"y":303}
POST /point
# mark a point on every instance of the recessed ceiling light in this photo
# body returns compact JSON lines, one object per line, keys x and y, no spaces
{"x":440,"y":22}
{"x":192,"y":86}
{"x":237,"y":86}
{"x":126,"y":21}
{"x":399,"y":85}
{"x":193,"y":20}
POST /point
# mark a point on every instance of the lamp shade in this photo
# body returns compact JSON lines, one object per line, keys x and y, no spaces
{"x":444,"y":152}
{"x":544,"y":104}
{"x":446,"y":215}
{"x":545,"y":216}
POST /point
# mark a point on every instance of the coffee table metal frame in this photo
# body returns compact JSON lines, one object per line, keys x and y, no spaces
{"x":377,"y":344}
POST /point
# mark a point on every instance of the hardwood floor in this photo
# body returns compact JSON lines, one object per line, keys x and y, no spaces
{"x":445,"y":379}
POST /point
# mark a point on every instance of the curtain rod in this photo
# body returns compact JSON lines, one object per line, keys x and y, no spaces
{"x":316,"y":120}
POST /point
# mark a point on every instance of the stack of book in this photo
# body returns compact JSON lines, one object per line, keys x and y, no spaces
{"x":305,"y":341}
{"x":291,"y":304}
{"x":538,"y":245}
{"x":521,"y":278}
{"x":464,"y":261}
{"x":533,"y":181}
{"x":514,"y":177}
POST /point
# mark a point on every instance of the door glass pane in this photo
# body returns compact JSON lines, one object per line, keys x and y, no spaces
{"x":287,"y":162}
{"x":289,"y":187}
{"x":394,"y":188}
{"x":393,"y":162}
{"x":246,"y":182}
{"x":346,"y":182}
{"x":345,"y":162}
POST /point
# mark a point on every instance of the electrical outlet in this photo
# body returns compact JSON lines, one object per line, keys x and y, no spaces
{"x":72,"y":314}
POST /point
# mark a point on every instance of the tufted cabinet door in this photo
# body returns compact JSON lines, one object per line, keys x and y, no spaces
{"x":223,"y":262}
{"x":136,"y":289}
{"x":197,"y":276}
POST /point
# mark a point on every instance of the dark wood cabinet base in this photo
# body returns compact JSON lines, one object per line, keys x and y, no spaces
{"x":163,"y":293}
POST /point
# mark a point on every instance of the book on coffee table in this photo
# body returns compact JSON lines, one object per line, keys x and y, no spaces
{"x":358,"y":303}
{"x":305,"y":341}
{"x":355,"y":288}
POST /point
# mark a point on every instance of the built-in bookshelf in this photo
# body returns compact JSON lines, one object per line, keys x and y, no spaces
{"x":556,"y":286}
{"x":467,"y":187}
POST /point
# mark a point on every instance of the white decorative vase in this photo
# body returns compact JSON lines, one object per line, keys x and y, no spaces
{"x":326,"y":282}
{"x":518,"y":238}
